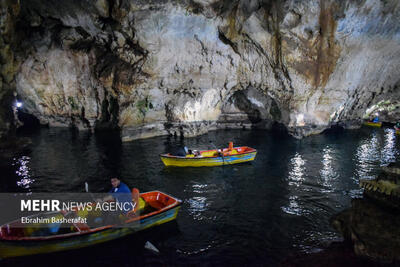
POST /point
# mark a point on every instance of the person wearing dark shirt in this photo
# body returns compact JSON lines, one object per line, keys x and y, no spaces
{"x":121,"y":193}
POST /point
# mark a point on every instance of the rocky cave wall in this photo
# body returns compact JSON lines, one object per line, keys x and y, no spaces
{"x":186,"y":67}
{"x":9,"y":11}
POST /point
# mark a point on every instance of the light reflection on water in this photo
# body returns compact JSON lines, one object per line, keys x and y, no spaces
{"x":256,"y":211}
{"x":314,"y":172}
{"x":389,"y":152}
{"x":328,"y":174}
{"x":374,"y":150}
{"x":295,"y":179}
{"x":294,"y":207}
{"x":197,"y":205}
{"x":366,"y":156}
{"x":296,"y":175}
{"x":23,"y":172}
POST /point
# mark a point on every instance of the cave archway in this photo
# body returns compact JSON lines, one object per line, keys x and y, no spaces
{"x":388,"y":111}
{"x":250,"y":108}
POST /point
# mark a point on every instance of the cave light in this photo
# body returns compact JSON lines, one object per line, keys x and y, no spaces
{"x":18,"y":104}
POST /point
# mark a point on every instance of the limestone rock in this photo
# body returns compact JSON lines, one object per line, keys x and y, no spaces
{"x":373,"y":230}
{"x":9,"y":11}
{"x":371,"y":223}
{"x":143,"y":65}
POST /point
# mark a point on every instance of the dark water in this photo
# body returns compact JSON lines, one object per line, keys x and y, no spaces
{"x":254,"y":213}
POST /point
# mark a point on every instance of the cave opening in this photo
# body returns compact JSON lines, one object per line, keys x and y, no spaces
{"x":279,"y":129}
{"x":334,"y":129}
{"x":386,"y":110}
{"x":29,"y":122}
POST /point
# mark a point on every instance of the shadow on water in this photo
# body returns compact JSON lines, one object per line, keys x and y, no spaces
{"x":253,"y":213}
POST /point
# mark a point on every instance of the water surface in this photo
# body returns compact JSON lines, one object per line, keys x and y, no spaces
{"x":253,"y":213}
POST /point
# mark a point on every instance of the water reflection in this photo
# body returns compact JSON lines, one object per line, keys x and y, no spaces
{"x":367,"y":154}
{"x":327,"y":172}
{"x":23,"y":172}
{"x":197,"y":205}
{"x":296,"y":177}
{"x":296,"y":174}
{"x":389,"y":151}
{"x":293,"y":207}
{"x":373,"y":151}
{"x":227,"y":210}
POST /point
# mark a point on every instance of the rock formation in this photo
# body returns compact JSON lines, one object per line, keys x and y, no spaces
{"x":187,"y":67}
{"x":9,"y":10}
{"x":372,"y":223}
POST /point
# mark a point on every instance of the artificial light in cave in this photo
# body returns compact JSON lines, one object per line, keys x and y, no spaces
{"x":18,"y":104}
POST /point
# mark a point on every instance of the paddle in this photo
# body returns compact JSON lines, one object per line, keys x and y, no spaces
{"x":87,"y":191}
{"x":151,"y":247}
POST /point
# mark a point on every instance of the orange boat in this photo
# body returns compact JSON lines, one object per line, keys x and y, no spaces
{"x":209,"y":158}
{"x":15,"y":240}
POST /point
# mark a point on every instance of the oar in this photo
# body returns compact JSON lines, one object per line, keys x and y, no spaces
{"x":87,"y":191}
{"x":151,"y":247}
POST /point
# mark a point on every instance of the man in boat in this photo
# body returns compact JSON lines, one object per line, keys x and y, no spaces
{"x":374,"y":118}
{"x":120,"y":193}
{"x":397,"y":126}
{"x":180,"y":152}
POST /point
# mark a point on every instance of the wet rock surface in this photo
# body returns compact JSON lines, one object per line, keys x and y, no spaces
{"x":372,"y":223}
{"x":9,"y":11}
{"x":143,"y":66}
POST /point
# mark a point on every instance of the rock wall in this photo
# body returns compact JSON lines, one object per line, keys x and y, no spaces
{"x":187,"y":67}
{"x":371,"y":224}
{"x":9,"y":10}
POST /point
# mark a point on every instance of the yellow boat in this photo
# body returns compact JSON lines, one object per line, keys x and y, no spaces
{"x":373,"y":124}
{"x":157,"y":208}
{"x":210,"y":158}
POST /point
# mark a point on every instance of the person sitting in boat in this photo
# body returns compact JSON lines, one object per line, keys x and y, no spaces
{"x":376,"y":119}
{"x":120,"y":193}
{"x":180,"y":152}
